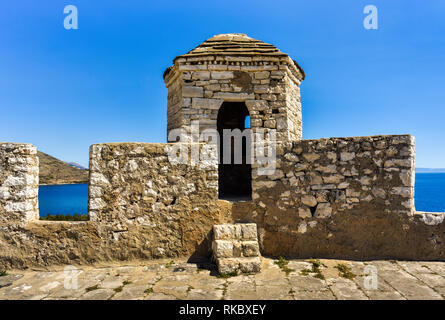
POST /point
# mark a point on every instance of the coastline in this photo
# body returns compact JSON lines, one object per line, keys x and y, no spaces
{"x":62,"y":184}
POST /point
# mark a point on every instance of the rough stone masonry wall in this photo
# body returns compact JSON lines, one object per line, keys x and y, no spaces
{"x":266,"y":84}
{"x":174,"y":106}
{"x":19,"y":183}
{"x":141,"y":207}
{"x":336,"y":198}
{"x":135,"y":186}
{"x":344,"y":198}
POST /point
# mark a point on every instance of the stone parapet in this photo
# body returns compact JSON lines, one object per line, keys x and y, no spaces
{"x":19,"y":183}
{"x":142,"y":205}
{"x":344,"y":198}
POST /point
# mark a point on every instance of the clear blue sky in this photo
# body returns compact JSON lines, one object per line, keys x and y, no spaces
{"x":64,"y":90}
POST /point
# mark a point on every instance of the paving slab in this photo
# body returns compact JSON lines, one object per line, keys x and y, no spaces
{"x":176,"y":279}
{"x":241,"y":288}
{"x":409,"y":286}
{"x":9,"y":279}
{"x":99,"y":294}
{"x":346,"y":289}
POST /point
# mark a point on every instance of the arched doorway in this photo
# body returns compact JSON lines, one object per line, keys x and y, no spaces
{"x":235,"y":179}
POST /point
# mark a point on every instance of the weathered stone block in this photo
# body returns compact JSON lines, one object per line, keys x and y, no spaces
{"x":335,"y":178}
{"x":250,"y":249}
{"x":309,"y":200}
{"x":304,"y":212}
{"x":250,"y":265}
{"x":262,"y":75}
{"x":228,"y":265}
{"x":237,"y":265}
{"x":347,"y":156}
{"x":222,"y":75}
{"x":98,"y":179}
{"x":323,"y":210}
{"x":226,"y":232}
{"x":222,"y":249}
{"x":311,"y":156}
{"x":256,"y":122}
{"x":406,"y":192}
{"x":233,"y":96}
{"x":261,"y":88}
{"x":270,"y":123}
{"x":201,"y":75}
{"x":407,"y":178}
{"x":258,"y":105}
{"x":302,"y":227}
{"x":206,"y":103}
{"x":191,"y":92}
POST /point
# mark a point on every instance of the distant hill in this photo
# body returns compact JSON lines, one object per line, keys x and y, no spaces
{"x":76,"y":165}
{"x":430,"y":170}
{"x":55,"y":171}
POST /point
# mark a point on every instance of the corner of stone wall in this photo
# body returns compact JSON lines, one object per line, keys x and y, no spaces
{"x":19,"y":183}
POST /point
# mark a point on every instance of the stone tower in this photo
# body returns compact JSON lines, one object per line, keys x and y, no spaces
{"x":229,"y":77}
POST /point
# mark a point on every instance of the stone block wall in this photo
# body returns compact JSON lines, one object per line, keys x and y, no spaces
{"x":343,"y":198}
{"x":329,"y":176}
{"x":141,"y":206}
{"x":134,"y":185}
{"x":294,"y":122}
{"x":266,"y":84}
{"x":174,"y":106}
{"x":19,"y":182}
{"x":333,"y":198}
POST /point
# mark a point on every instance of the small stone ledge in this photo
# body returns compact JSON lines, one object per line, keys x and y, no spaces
{"x":430,"y":218}
{"x":235,"y":248}
{"x":60,"y":222}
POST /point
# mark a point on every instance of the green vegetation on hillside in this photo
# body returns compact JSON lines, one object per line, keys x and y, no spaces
{"x":61,"y":217}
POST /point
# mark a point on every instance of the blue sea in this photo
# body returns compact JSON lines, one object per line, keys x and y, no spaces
{"x":73,"y":198}
{"x":65,"y":199}
{"x":430,"y":192}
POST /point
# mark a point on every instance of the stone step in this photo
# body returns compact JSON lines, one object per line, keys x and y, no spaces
{"x":236,"y":249}
{"x":239,"y":265}
{"x":239,"y":231}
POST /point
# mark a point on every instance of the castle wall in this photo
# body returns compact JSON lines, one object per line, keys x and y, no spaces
{"x":344,"y":198}
{"x":19,"y":182}
{"x":141,"y":206}
{"x":134,"y":185}
{"x":333,"y":198}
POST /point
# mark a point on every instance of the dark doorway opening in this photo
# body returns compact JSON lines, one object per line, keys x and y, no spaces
{"x":235,"y":179}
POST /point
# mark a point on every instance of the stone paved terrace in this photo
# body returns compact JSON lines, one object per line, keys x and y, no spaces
{"x":167,"y":279}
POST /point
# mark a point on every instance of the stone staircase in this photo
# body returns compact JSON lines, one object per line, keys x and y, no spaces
{"x":235,"y":248}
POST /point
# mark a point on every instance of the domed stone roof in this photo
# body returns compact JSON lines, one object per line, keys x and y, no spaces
{"x":233,"y":44}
